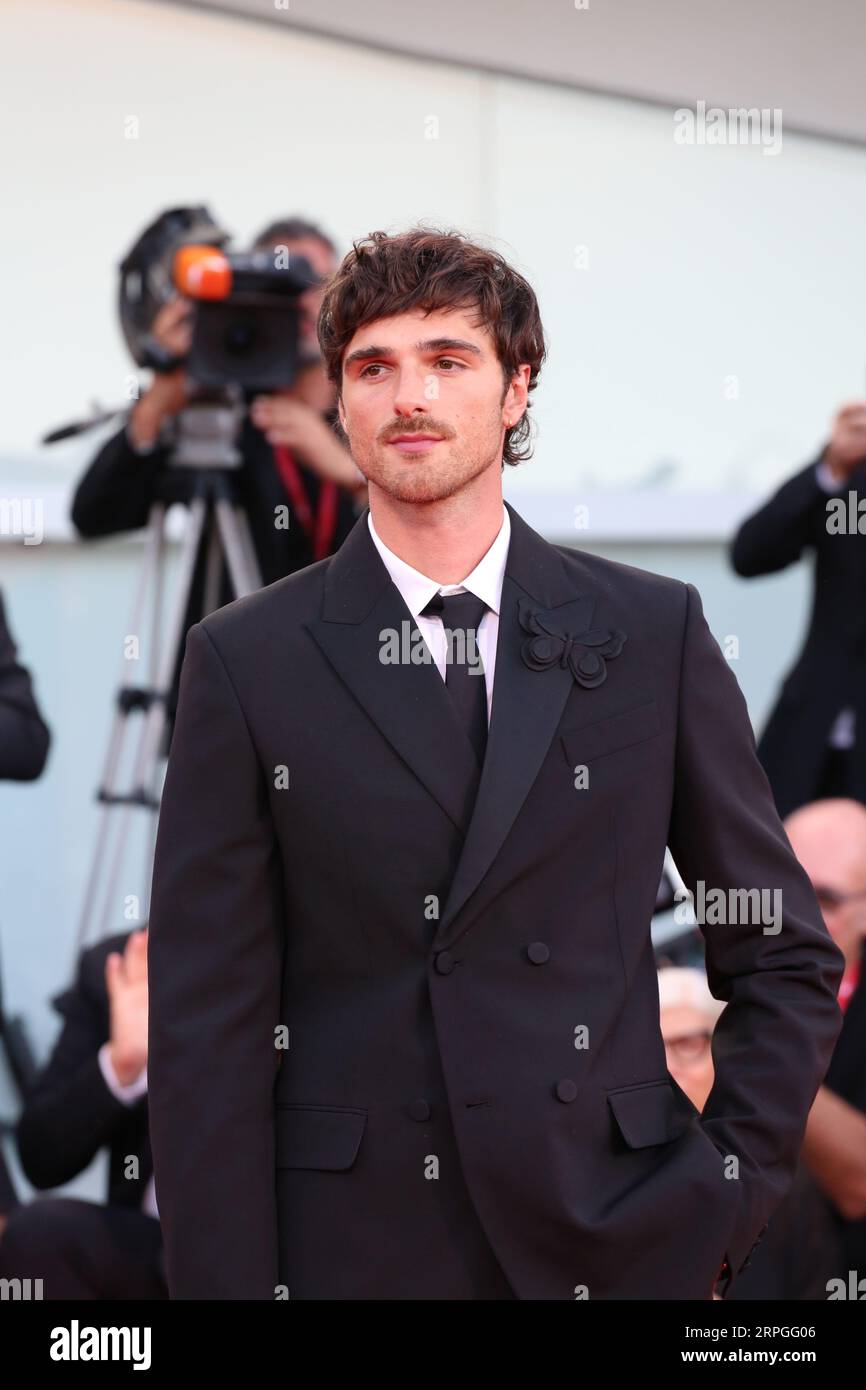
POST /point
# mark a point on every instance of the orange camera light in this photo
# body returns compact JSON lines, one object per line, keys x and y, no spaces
{"x":202,"y":272}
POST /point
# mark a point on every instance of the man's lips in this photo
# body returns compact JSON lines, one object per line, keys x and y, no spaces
{"x":415,"y":443}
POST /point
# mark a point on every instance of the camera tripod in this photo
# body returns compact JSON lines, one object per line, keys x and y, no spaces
{"x":206,"y":457}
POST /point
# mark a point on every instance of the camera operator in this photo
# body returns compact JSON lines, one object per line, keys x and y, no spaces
{"x":293,"y":458}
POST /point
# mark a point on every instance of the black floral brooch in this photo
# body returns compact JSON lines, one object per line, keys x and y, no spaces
{"x":586,"y":653}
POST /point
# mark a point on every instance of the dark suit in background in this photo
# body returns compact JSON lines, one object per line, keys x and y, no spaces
{"x":436,"y":938}
{"x":24,"y":735}
{"x":847,"y":1077}
{"x":800,"y":1253}
{"x":81,"y":1249}
{"x":829,"y":674}
{"x":24,"y":743}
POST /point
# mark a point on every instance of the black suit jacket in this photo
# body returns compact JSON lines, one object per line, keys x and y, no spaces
{"x":119,"y":488}
{"x":801,"y":1252}
{"x":467,"y":983}
{"x":830,"y":671}
{"x":69,"y":1113}
{"x":24,"y":736}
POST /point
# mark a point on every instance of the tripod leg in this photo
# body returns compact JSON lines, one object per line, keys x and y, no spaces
{"x":148,"y":578}
{"x":213,"y":568}
{"x":234,"y":528}
{"x":144,"y":763}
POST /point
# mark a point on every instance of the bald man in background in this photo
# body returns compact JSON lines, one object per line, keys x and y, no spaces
{"x":829,"y":839}
{"x":802,"y":1250}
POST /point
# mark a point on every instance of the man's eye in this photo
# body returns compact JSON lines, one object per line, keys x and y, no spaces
{"x":377,"y":366}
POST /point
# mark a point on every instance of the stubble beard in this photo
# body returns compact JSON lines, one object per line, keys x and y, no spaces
{"x":422,"y":480}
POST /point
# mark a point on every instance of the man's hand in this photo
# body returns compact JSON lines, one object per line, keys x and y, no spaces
{"x":847,"y":444}
{"x":126,"y":982}
{"x":172,"y":326}
{"x":296,"y":425}
{"x":285,"y":420}
{"x":169,"y":391}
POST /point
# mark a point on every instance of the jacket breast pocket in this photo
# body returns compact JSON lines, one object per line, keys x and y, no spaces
{"x":649,"y":1113}
{"x":317,"y":1136}
{"x":591,"y":741}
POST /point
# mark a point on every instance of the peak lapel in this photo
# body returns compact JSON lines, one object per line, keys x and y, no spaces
{"x":408,"y":701}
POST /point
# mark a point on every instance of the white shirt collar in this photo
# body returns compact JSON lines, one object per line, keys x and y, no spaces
{"x":417,"y":589}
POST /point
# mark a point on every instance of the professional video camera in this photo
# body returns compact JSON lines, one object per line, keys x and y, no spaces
{"x":245,"y":328}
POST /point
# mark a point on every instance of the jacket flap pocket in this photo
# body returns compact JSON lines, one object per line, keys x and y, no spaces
{"x":606,"y":735}
{"x":648,"y":1114}
{"x":317,"y":1136}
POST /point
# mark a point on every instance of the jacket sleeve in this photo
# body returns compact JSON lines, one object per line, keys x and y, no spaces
{"x":777,"y":534}
{"x":24,"y":735}
{"x":118,"y":489}
{"x":214,"y":972}
{"x":69,"y":1113}
{"x":769,"y":957}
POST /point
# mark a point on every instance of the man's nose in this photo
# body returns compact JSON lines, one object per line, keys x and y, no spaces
{"x":412,"y":390}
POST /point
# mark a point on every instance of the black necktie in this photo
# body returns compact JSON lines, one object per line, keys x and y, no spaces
{"x":461,"y":616}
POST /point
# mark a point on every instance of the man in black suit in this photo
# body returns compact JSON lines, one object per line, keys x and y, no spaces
{"x":92,"y":1094}
{"x":404,"y":1016}
{"x":810,"y":746}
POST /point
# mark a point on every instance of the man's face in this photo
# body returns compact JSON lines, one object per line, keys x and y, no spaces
{"x":416,"y":375}
{"x":321,"y":258}
{"x":832,"y":856}
{"x":685,"y":1033}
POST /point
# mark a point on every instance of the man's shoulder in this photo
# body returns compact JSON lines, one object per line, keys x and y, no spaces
{"x":282,"y":607}
{"x":662,"y":594}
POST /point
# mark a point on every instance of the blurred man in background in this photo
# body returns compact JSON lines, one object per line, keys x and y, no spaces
{"x":24,"y":743}
{"x":814,"y":743}
{"x":90,"y":1095}
{"x":24,"y":735}
{"x":819,"y":1231}
{"x":800,"y":1251}
{"x":829,"y":839}
{"x":293,"y":455}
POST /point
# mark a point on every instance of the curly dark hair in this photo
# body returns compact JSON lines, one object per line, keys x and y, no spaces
{"x":431,"y":269}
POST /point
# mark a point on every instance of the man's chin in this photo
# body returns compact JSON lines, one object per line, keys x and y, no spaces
{"x":415,"y":487}
{"x":417,"y":479}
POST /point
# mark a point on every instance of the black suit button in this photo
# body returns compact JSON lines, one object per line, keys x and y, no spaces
{"x":538,"y":953}
{"x":419,"y":1110}
{"x":566,"y":1091}
{"x":445,"y":962}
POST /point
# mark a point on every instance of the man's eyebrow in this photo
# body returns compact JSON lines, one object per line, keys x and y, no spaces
{"x":427,"y":345}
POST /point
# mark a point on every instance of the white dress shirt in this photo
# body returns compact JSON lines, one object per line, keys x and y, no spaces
{"x":129,"y":1094}
{"x":485,"y":582}
{"x":842,"y":733}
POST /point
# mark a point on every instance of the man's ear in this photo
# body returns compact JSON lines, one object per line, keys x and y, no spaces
{"x":341,"y":414}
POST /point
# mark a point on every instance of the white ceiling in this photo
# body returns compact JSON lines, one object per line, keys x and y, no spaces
{"x":806,"y":58}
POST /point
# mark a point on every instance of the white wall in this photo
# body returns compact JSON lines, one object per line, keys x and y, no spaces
{"x":704,"y":262}
{"x":736,"y":53}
